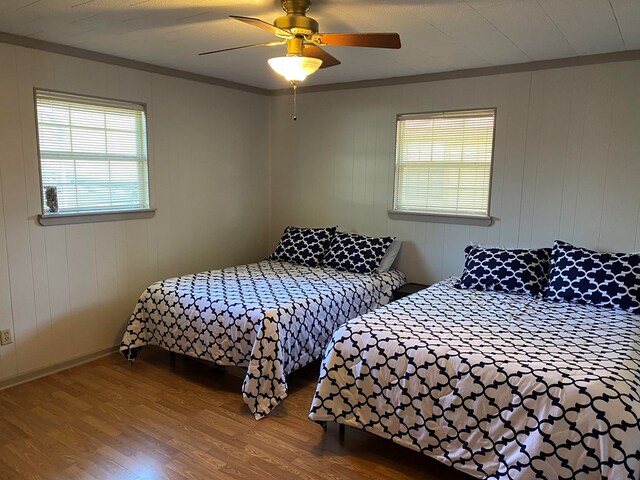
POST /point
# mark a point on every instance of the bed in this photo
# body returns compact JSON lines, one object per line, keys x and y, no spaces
{"x":497,"y":385}
{"x":270,"y":317}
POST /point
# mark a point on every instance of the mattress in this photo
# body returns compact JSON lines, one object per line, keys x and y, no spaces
{"x":497,"y":385}
{"x":270,"y":317}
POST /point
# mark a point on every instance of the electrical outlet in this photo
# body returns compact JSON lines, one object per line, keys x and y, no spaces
{"x":5,"y":337}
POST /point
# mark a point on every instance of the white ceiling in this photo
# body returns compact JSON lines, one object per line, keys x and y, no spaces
{"x":437,"y":35}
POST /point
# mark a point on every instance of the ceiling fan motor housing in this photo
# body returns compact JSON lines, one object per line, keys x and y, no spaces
{"x":300,"y":33}
{"x":295,"y":20}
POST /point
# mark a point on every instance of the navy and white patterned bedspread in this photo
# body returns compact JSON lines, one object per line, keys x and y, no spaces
{"x":270,"y":317}
{"x":500,"y":386}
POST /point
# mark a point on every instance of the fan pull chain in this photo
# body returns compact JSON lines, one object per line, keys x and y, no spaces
{"x":295,"y":101}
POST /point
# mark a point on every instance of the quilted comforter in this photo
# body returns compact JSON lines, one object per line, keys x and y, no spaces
{"x":499,"y":386}
{"x":270,"y":317}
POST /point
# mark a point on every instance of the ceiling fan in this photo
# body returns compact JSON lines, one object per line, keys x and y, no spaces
{"x":304,"y":42}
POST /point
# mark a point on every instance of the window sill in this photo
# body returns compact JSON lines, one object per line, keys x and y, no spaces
{"x":435,"y":218}
{"x":73,"y":218}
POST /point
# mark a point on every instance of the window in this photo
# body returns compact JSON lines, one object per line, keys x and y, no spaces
{"x":93,"y":157}
{"x":443,"y":163}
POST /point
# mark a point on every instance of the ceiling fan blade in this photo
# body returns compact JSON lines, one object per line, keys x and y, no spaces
{"x":268,"y":44}
{"x":317,"y":52}
{"x":375,"y":40}
{"x":256,"y":22}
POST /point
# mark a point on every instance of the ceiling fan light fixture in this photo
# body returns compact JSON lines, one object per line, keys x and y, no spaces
{"x":295,"y":68}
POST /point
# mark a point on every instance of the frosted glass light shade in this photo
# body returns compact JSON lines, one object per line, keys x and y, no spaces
{"x":295,"y":68}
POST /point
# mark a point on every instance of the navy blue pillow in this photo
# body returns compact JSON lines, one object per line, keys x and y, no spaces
{"x":515,"y":271}
{"x":356,"y":253}
{"x":610,"y":280}
{"x":303,"y":246}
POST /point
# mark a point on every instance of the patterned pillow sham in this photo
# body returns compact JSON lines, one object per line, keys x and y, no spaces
{"x":610,"y":280}
{"x":520,"y":271}
{"x":303,"y":246}
{"x":356,"y":253}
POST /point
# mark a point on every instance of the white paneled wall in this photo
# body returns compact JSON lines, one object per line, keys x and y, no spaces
{"x":567,"y":165}
{"x":67,"y":291}
{"x":567,"y":162}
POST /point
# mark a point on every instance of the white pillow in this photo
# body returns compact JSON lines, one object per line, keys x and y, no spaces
{"x":390,"y":255}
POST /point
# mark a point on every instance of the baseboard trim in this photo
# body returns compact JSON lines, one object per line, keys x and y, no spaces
{"x":58,"y":367}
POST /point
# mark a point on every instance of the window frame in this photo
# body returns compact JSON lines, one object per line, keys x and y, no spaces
{"x":474,"y":220}
{"x":49,"y":219}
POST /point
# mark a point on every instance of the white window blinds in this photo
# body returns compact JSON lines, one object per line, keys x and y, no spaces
{"x":443,"y":162}
{"x":93,"y":154}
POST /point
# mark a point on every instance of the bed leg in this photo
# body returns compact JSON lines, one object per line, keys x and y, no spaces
{"x":323,"y":425}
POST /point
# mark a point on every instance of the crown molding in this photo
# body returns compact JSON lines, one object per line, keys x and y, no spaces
{"x":123,"y":62}
{"x":624,"y":56}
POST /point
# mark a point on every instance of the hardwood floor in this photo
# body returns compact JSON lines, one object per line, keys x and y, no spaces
{"x":180,"y":420}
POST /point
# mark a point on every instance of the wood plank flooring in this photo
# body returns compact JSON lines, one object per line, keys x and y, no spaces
{"x":180,"y":420}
